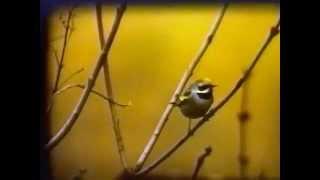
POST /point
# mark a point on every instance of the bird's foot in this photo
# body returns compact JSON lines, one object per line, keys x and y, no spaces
{"x":190,"y":133}
{"x":174,"y":103}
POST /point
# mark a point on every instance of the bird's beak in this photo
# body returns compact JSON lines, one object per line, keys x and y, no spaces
{"x":214,"y":85}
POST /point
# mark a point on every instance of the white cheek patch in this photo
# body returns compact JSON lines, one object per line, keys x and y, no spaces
{"x":204,"y":91}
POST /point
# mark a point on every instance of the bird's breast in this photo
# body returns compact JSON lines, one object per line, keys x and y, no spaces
{"x":196,"y":107}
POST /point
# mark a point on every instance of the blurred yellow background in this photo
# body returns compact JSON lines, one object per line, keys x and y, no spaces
{"x":152,"y":48}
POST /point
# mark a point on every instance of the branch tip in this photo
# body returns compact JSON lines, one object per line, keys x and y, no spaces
{"x":200,"y":161}
{"x":208,"y":150}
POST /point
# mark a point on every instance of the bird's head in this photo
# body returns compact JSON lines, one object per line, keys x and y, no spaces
{"x":205,"y":84}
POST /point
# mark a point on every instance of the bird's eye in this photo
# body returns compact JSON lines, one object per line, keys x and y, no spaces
{"x":202,"y":87}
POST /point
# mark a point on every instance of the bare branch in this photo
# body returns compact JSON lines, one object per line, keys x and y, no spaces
{"x":108,"y":86}
{"x":100,"y":23}
{"x":56,"y":56}
{"x":65,"y":81}
{"x":60,"y":66}
{"x":186,"y":76}
{"x":94,"y":92}
{"x":200,"y":161}
{"x":90,"y":82}
{"x":71,"y":76}
{"x":72,"y":28}
{"x":71,"y":86}
{"x":274,"y":31}
{"x":60,"y":62}
{"x":243,"y":118}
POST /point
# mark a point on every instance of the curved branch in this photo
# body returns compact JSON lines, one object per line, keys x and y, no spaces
{"x":186,"y":76}
{"x":273,"y":32}
{"x":90,"y":82}
{"x":108,"y":86}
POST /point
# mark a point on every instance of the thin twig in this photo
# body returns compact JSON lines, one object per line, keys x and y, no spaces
{"x":72,"y":29}
{"x":56,"y":57}
{"x":71,"y":76}
{"x":70,"y":86}
{"x":274,"y":31}
{"x":94,"y":92}
{"x":90,"y":82}
{"x":60,"y":66}
{"x":186,"y":76}
{"x":108,"y":86}
{"x":200,"y":161}
{"x":59,"y":37}
{"x":60,"y":61}
{"x":65,"y":81}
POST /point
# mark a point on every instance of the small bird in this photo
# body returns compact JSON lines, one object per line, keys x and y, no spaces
{"x":196,"y":100}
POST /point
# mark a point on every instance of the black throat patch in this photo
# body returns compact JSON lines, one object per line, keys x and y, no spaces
{"x":207,"y":95}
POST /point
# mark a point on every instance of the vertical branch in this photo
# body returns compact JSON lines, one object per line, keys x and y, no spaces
{"x":186,"y":76}
{"x":90,"y":82}
{"x":60,"y":60}
{"x":108,"y":86}
{"x":65,"y":40}
{"x":200,"y":162}
{"x":100,"y":23}
{"x":273,"y":32}
{"x":243,"y":118}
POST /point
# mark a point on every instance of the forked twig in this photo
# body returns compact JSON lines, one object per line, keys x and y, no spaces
{"x":92,"y":91}
{"x":71,"y":76}
{"x":70,"y":86}
{"x":49,"y":107}
{"x":273,"y":32}
{"x":200,"y":162}
{"x":108,"y":86}
{"x":90,"y":82}
{"x":186,"y":76}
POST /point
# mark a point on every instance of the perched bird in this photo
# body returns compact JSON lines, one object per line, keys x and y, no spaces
{"x":196,"y":100}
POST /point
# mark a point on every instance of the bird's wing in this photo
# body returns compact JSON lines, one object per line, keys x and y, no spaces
{"x":186,"y":95}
